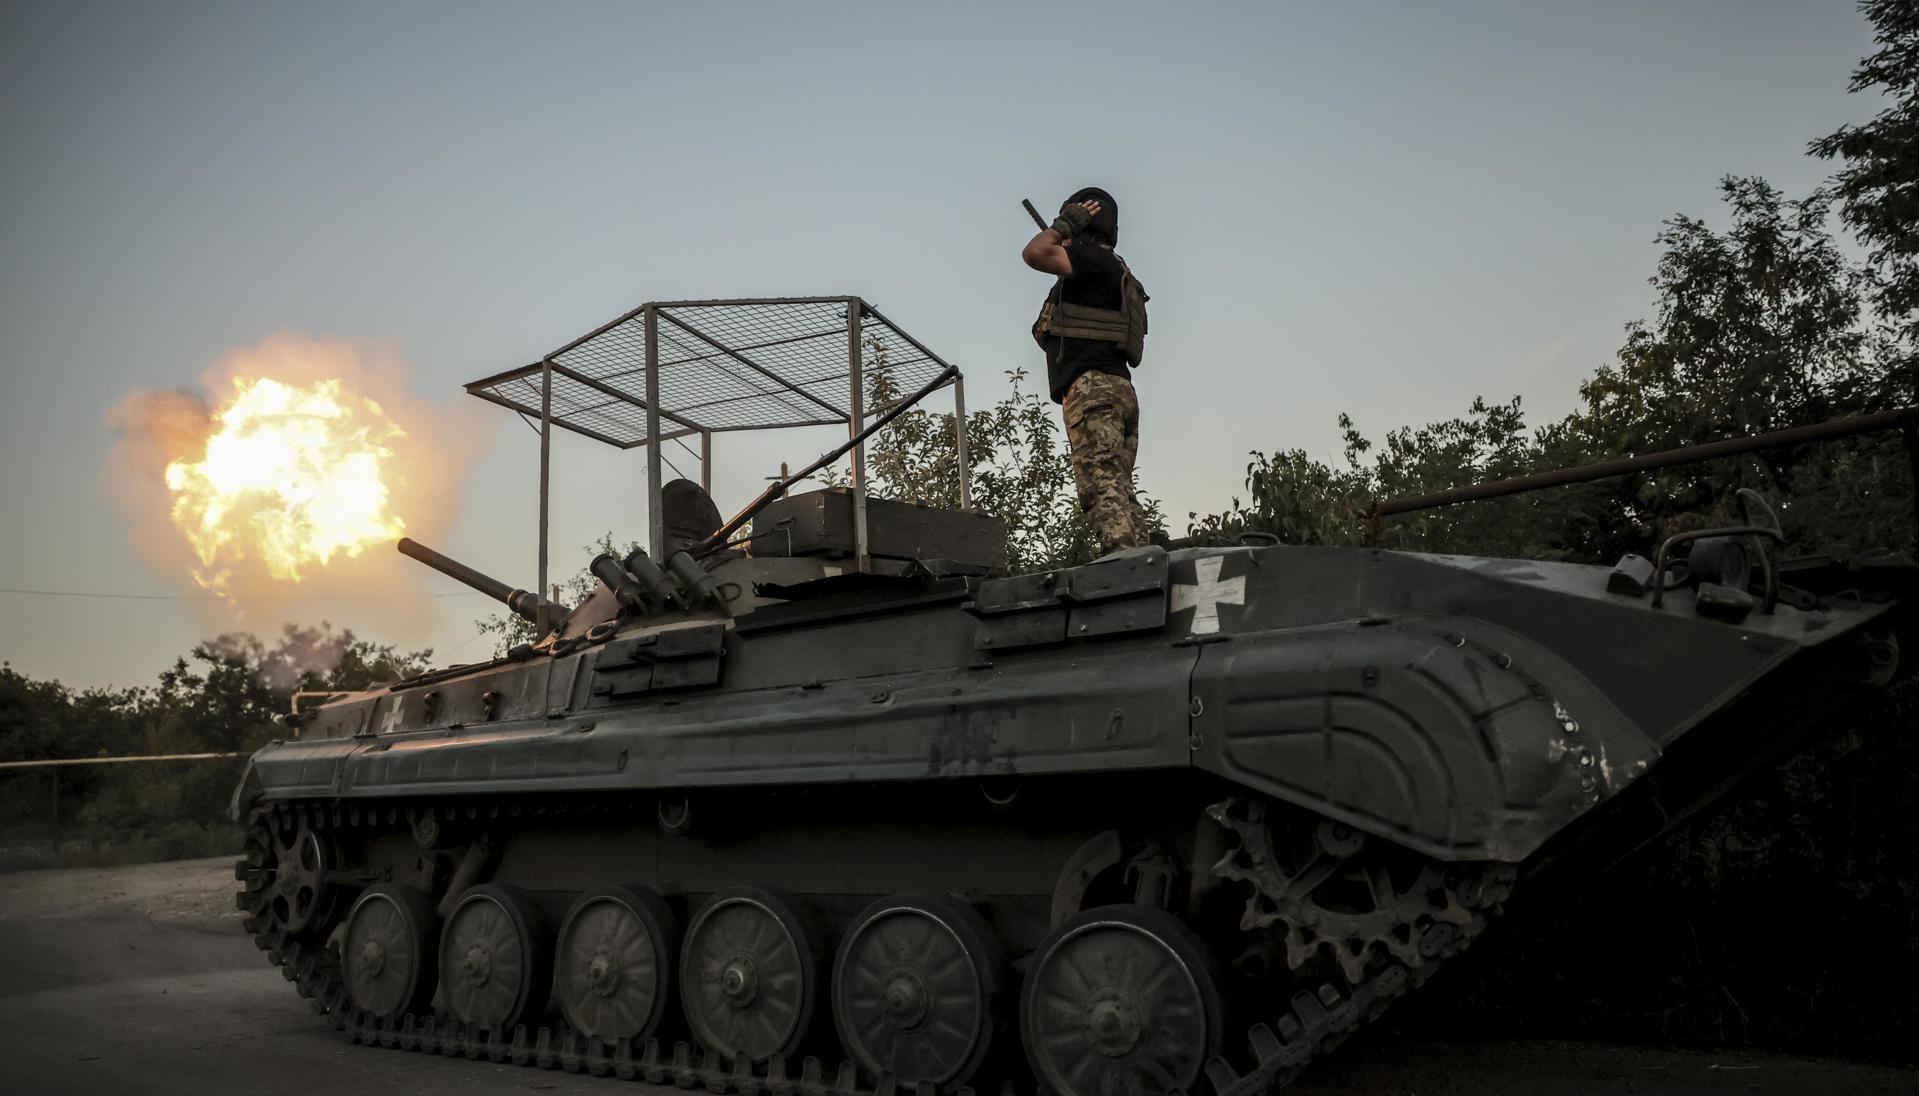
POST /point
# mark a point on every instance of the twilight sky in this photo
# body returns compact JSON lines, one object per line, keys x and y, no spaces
{"x":1384,"y":209}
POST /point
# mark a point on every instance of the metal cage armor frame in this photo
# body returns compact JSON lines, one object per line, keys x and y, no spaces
{"x":671,"y":370}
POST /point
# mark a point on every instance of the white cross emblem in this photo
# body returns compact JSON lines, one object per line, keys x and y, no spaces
{"x":1208,"y":594}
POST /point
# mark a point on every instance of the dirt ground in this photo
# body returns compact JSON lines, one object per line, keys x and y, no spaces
{"x":138,"y":980}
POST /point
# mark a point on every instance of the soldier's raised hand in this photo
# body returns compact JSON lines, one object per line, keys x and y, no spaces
{"x":1074,"y":218}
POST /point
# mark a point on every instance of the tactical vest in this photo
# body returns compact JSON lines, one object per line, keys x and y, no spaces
{"x":1124,"y":327}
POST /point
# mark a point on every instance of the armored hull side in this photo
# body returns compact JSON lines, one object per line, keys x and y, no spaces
{"x":1265,"y":790}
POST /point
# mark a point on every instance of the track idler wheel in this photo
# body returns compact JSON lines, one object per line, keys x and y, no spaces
{"x":614,"y":961}
{"x":288,"y":872}
{"x":388,"y":951}
{"x":916,"y":990}
{"x":747,"y":977}
{"x":495,"y":955}
{"x":1121,"y":1001}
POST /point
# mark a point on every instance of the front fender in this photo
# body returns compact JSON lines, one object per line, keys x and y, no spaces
{"x":245,"y":794}
{"x":1453,"y":737}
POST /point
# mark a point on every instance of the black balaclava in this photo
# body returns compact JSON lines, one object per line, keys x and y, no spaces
{"x":1104,"y":227}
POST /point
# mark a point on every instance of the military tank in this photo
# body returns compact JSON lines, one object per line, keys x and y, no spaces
{"x":823,"y":800}
{"x":1172,"y":821}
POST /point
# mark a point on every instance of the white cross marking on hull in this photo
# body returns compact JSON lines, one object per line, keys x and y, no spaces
{"x":1208,"y":594}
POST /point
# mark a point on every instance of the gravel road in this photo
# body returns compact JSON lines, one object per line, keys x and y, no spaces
{"x":138,"y":980}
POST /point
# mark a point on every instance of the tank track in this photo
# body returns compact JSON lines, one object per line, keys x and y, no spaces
{"x":1312,"y":1023}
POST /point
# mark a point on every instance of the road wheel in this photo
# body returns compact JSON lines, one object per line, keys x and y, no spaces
{"x":614,"y":963}
{"x":494,"y":956}
{"x":916,"y":989}
{"x":1120,"y":999}
{"x":387,"y":953}
{"x":747,"y":978}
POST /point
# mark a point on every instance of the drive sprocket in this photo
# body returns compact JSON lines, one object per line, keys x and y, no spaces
{"x":1325,"y":888}
{"x":293,"y":895}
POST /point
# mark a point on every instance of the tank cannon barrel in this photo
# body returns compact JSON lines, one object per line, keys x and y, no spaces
{"x":523,"y":602}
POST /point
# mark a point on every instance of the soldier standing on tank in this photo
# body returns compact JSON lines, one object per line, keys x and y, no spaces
{"x":1092,"y":329}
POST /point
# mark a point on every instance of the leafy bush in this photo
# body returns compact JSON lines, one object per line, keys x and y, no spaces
{"x":221,"y":698}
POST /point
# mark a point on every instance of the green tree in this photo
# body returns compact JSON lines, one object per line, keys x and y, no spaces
{"x":1019,"y":470}
{"x":1759,"y":325}
{"x":1879,"y":184}
{"x":1303,"y":501}
{"x":224,"y":697}
{"x":44,"y":719}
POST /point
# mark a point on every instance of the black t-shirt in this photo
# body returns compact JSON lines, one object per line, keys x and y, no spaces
{"x":1095,"y":284}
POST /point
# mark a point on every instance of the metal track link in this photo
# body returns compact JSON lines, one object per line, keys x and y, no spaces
{"x":685,"y":1065}
{"x":1312,"y":1024}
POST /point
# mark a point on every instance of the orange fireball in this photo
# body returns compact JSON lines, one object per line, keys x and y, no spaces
{"x":291,"y":476}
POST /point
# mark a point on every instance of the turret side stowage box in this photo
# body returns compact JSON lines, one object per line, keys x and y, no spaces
{"x":820,"y":523}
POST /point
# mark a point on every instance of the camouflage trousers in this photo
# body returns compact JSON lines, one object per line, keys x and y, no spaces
{"x":1102,"y":429}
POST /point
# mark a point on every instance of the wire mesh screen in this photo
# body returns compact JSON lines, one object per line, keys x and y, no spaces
{"x":723,"y":365}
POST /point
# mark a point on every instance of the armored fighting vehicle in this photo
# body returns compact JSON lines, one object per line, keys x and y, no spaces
{"x":838,"y":806}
